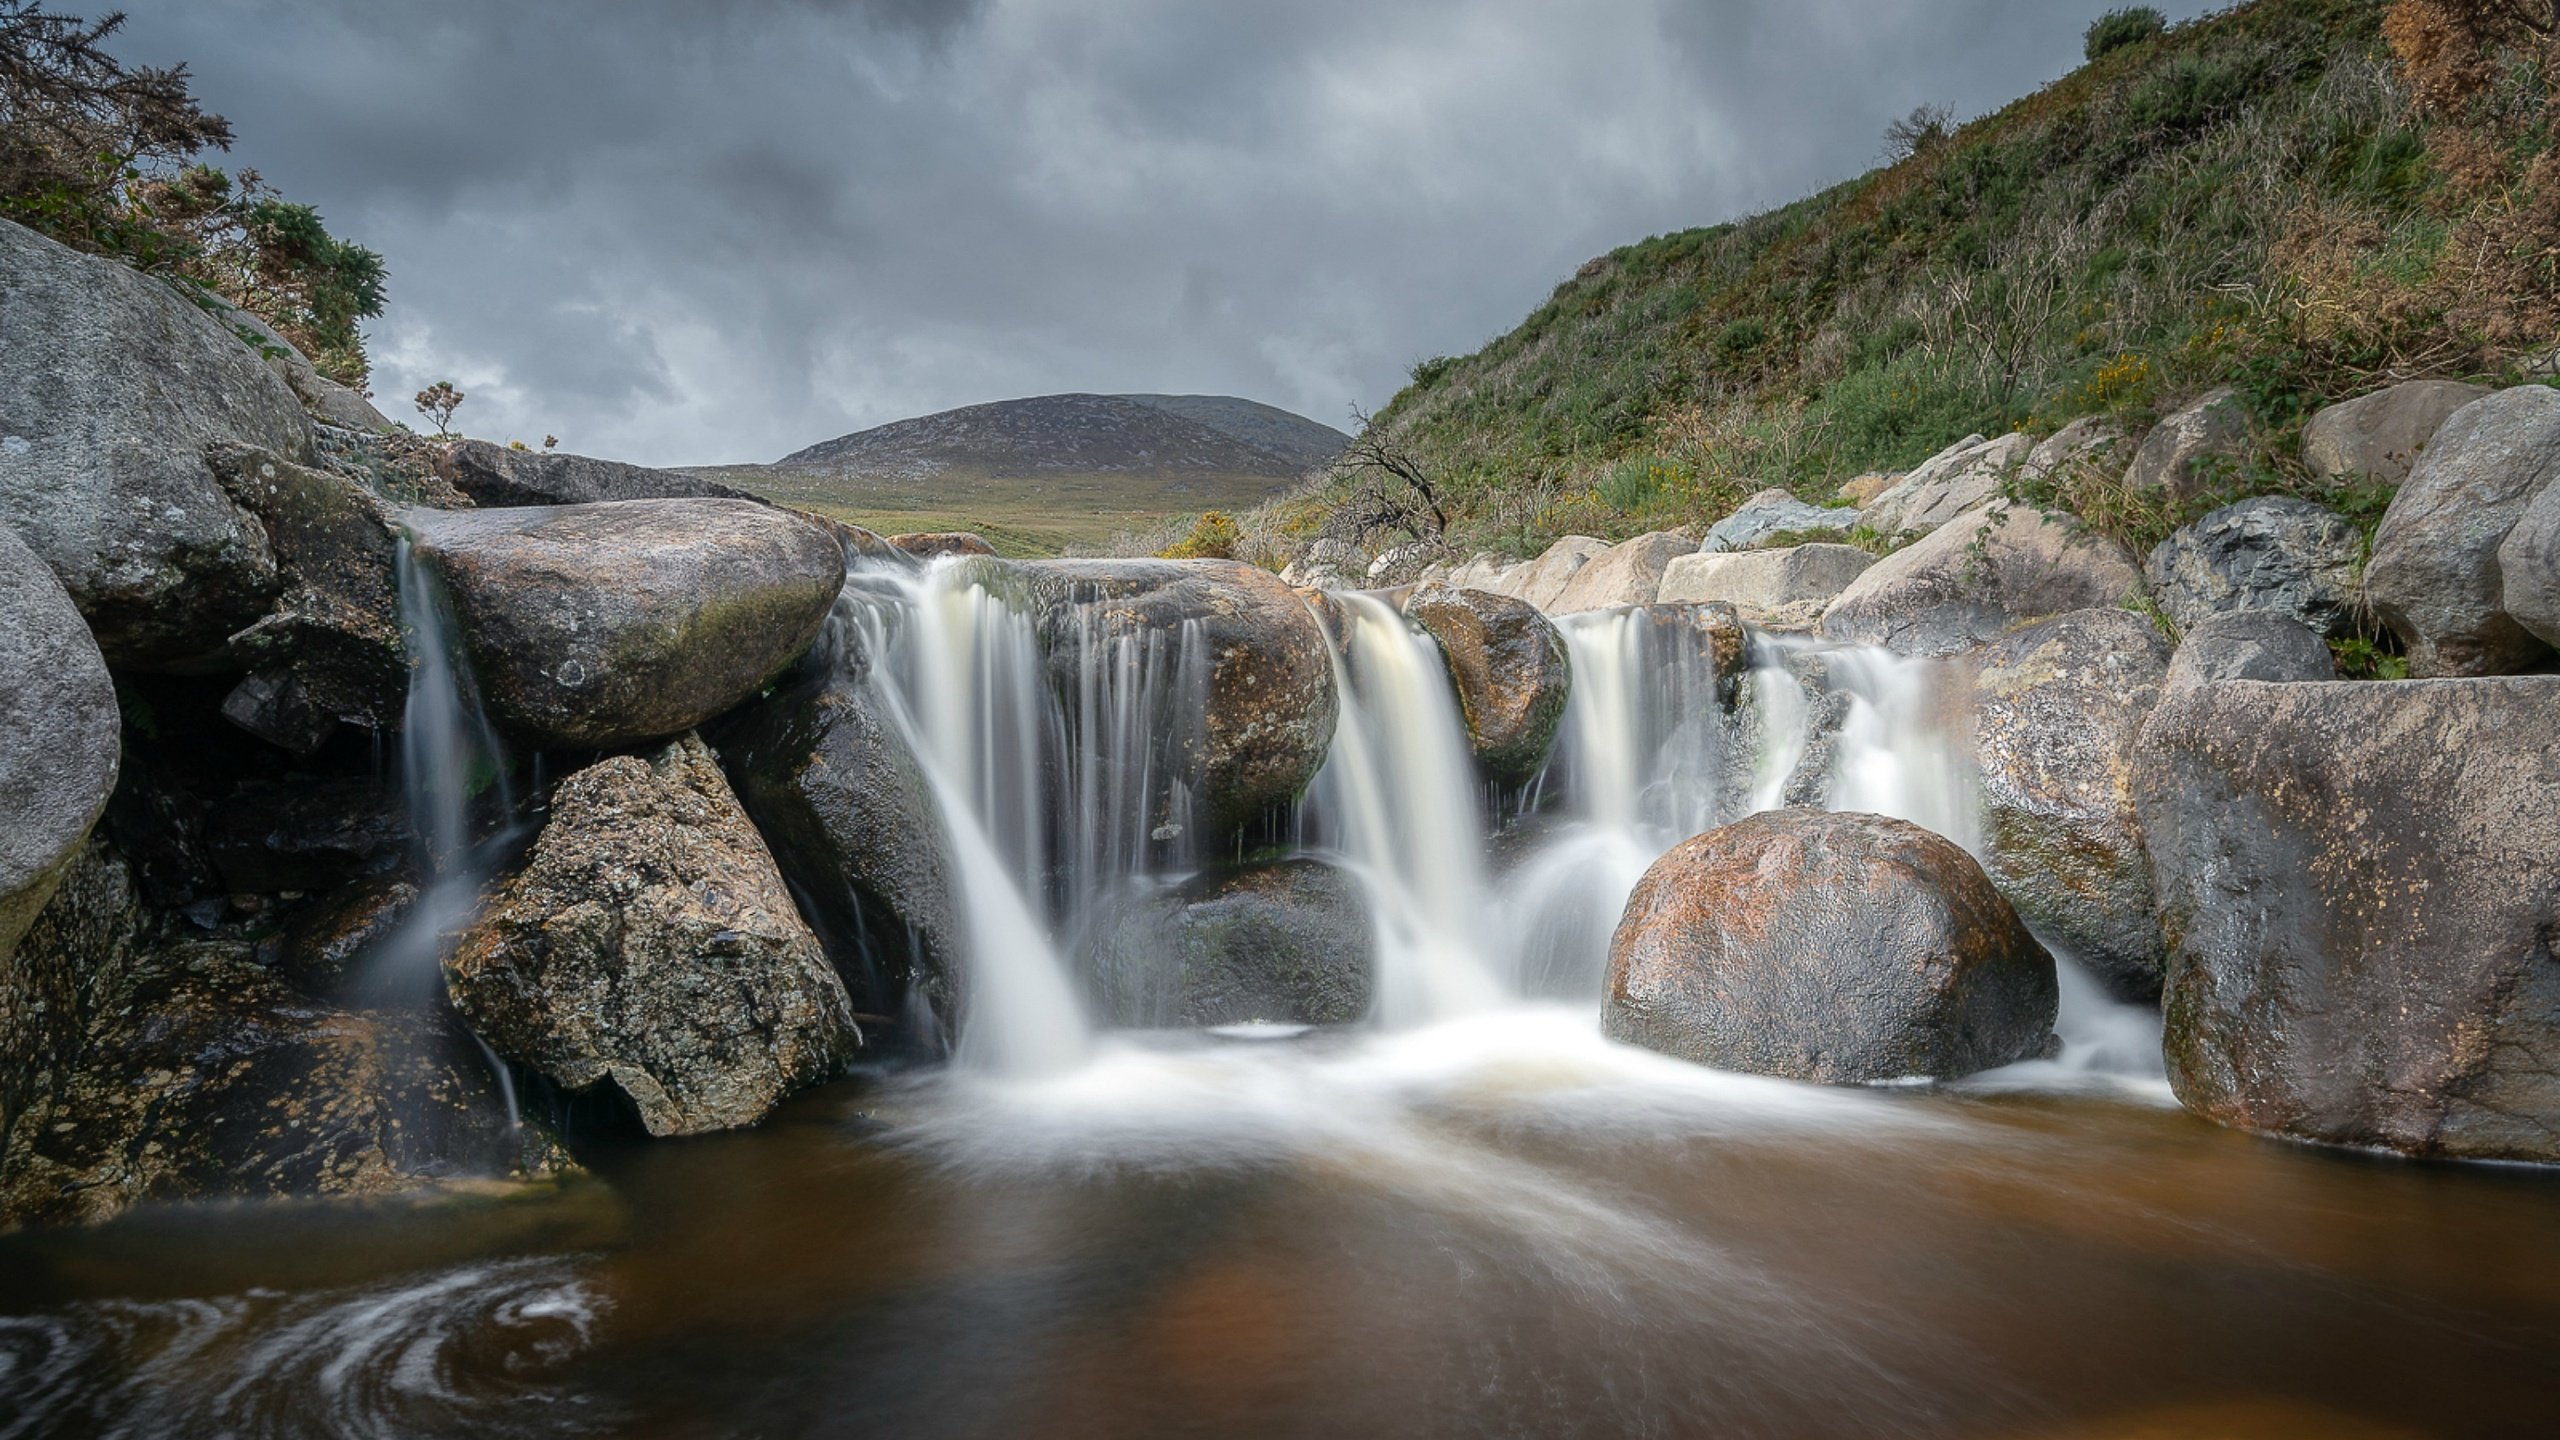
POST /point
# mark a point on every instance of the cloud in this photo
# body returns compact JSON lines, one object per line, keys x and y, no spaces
{"x":677,"y":232}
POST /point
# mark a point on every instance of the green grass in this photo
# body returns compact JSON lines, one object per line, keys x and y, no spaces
{"x":1023,"y":517}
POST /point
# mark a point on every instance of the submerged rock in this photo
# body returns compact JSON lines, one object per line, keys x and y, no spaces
{"x":500,"y":475}
{"x":649,"y":943}
{"x":1284,"y":943}
{"x":1511,"y":672}
{"x":1828,"y":946}
{"x":601,"y":625}
{"x":2272,"y":552}
{"x":2358,"y":891}
{"x":2250,"y":645}
{"x":2434,"y":577}
{"x":1973,"y":580}
{"x":111,"y":385}
{"x":2379,"y":437}
{"x":2058,"y":707}
{"x":59,"y":736}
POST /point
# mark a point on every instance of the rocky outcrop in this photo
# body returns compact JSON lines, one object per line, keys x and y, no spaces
{"x":2529,"y":568}
{"x":2435,"y":577}
{"x":2357,"y":887}
{"x":2193,"y":451}
{"x":1251,"y":731}
{"x":602,"y":625}
{"x":111,"y":385}
{"x":1788,"y":587}
{"x":2269,"y":553}
{"x":934,"y":544}
{"x":1284,"y":943}
{"x":1511,"y":671}
{"x":1945,"y":486}
{"x":1973,"y":580}
{"x":2087,"y":443}
{"x":502,"y":475}
{"x":1627,"y":574}
{"x":2376,"y":438}
{"x":322,"y":398}
{"x":1766,"y":516}
{"x":649,"y":944}
{"x":1325,"y":564}
{"x":59,"y":736}
{"x":1541,"y":582}
{"x":1827,"y":946}
{"x":2250,"y":645}
{"x":2057,"y":709}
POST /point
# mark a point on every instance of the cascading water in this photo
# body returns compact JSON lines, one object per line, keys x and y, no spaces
{"x":1396,"y":801}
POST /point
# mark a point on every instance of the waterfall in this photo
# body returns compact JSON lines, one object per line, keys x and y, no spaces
{"x":1396,"y":803}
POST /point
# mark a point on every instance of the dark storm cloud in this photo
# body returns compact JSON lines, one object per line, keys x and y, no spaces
{"x":674,"y":230}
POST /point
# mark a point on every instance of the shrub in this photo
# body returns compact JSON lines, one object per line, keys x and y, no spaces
{"x":2118,"y":28}
{"x":1213,"y":537}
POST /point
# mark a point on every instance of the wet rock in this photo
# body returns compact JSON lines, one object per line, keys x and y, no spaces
{"x":2378,"y":437}
{"x":73,"y":954}
{"x":602,"y":625}
{"x":111,"y":385}
{"x":1284,"y":943}
{"x":2250,"y":645}
{"x":306,"y":834}
{"x":319,"y":948}
{"x":2357,"y":887}
{"x":1769,"y":514}
{"x":2529,"y":568}
{"x":1971,"y":581}
{"x":1543,"y":580}
{"x":1255,"y":727}
{"x":649,"y":943}
{"x":843,"y":802}
{"x":1827,"y":946}
{"x":1766,"y":584}
{"x":1945,"y":486}
{"x":2195,"y":450}
{"x":329,"y":652}
{"x":2268,"y":553}
{"x":2057,"y":709}
{"x":204,"y":1076}
{"x":1627,"y":574}
{"x":932,"y":545}
{"x":2434,"y":577}
{"x":500,"y":475}
{"x":1511,"y":671}
{"x":60,"y":736}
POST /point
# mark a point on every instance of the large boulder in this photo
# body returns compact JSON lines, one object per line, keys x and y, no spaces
{"x":1945,"y":486}
{"x":2193,"y":451}
{"x":649,"y":943}
{"x":1542,"y":581}
{"x":934,"y":544}
{"x":111,"y":386}
{"x":1828,"y":946}
{"x":1626,"y":574}
{"x":2378,"y":437}
{"x":1973,"y":580}
{"x":1511,"y":670}
{"x":324,"y":399}
{"x":600,"y":625}
{"x":2057,"y":709}
{"x":60,"y":736}
{"x":2268,"y":553}
{"x":2435,"y":577}
{"x":2529,"y":568}
{"x":2358,"y":890}
{"x":1769,"y":514}
{"x":2088,"y":443}
{"x":1248,"y":731}
{"x":502,"y":475}
{"x":1283,"y":943}
{"x":2250,"y":645}
{"x":1789,"y":586}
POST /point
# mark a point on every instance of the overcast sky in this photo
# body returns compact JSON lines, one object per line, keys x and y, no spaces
{"x":685,"y":231}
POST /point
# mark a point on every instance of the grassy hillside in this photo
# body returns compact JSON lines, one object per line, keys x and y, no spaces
{"x":1025,"y":517}
{"x":2254,"y":198}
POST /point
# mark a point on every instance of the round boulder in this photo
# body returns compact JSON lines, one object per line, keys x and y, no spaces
{"x":2379,"y":437}
{"x":1285,"y":943}
{"x":60,"y":736}
{"x":2250,"y":645}
{"x":2194,"y":451}
{"x":2435,"y":577}
{"x":591,"y":626}
{"x":1971,"y":581}
{"x":2529,"y":567}
{"x":2268,"y":553}
{"x":649,"y":942}
{"x":1511,"y":670}
{"x":1828,"y":946}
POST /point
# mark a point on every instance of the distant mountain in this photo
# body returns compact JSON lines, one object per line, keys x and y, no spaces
{"x":1173,"y":436}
